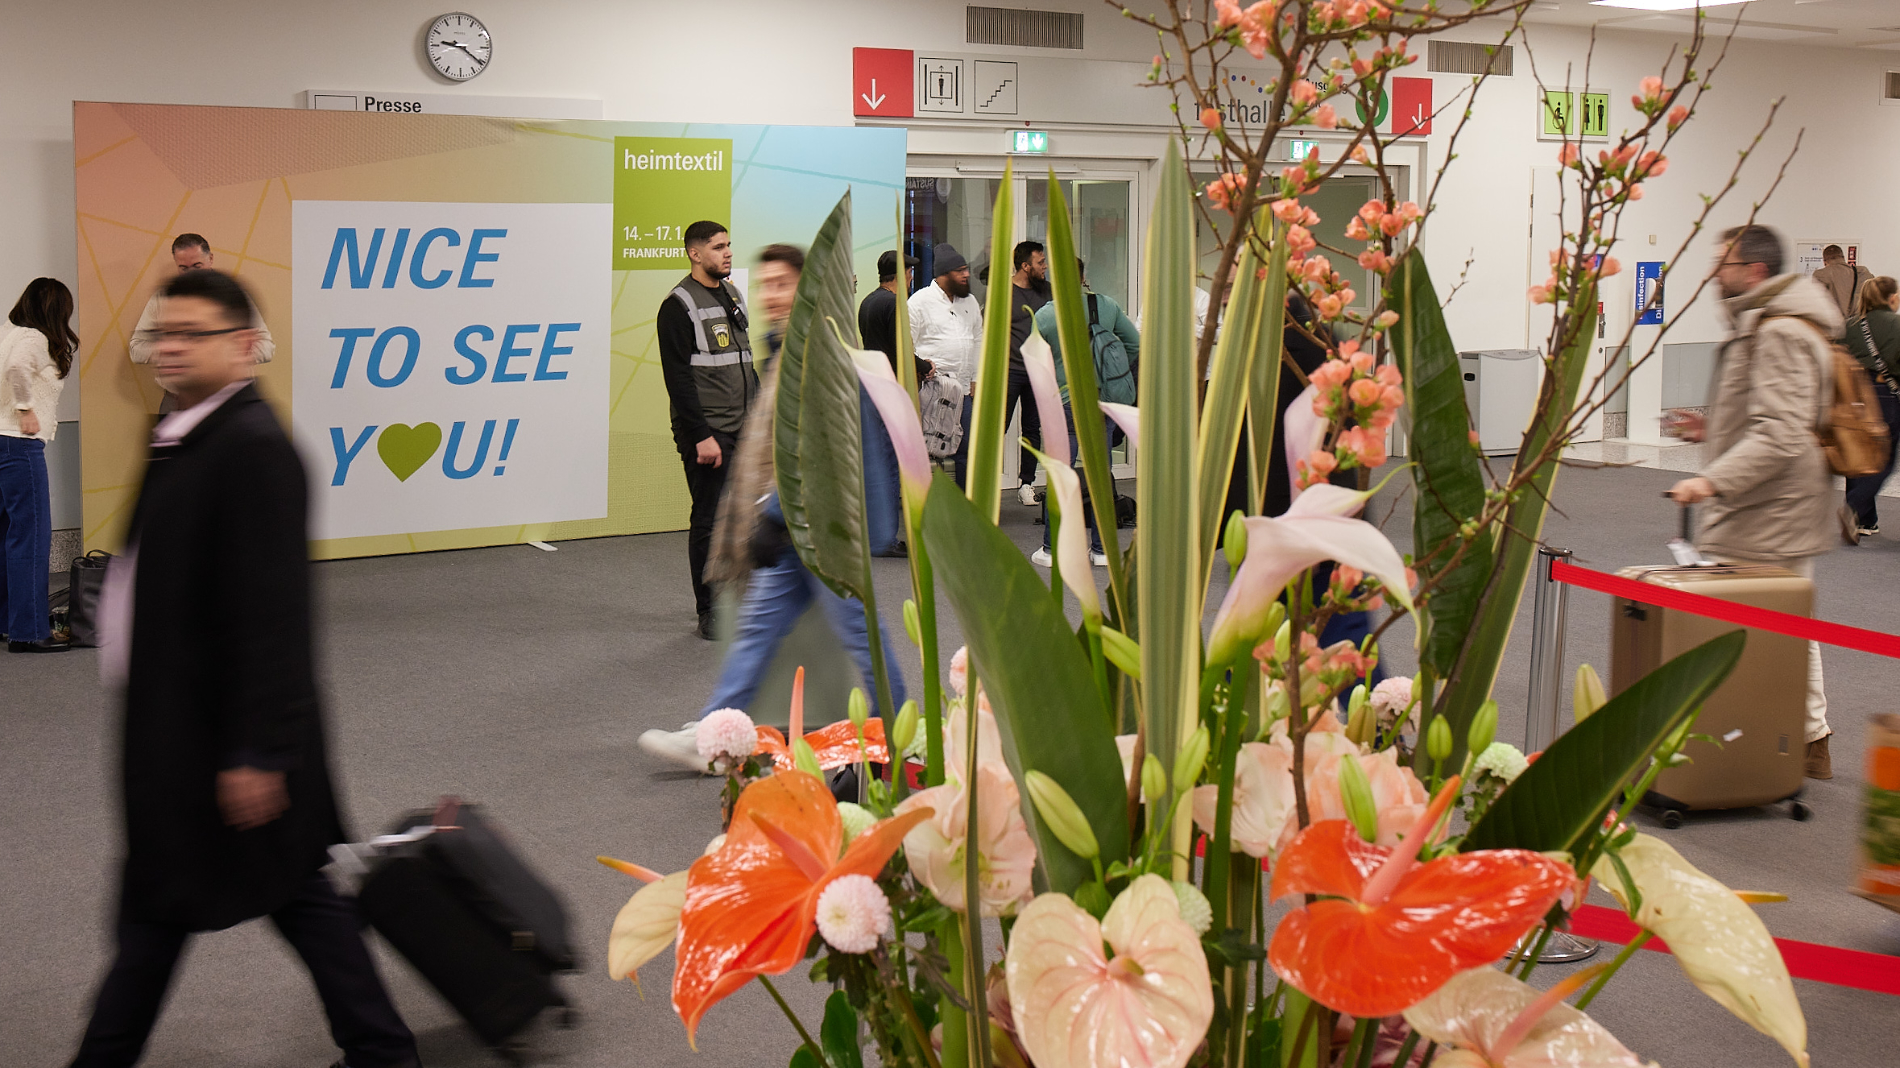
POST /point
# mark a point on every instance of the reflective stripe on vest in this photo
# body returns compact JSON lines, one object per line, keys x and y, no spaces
{"x":702,"y":308}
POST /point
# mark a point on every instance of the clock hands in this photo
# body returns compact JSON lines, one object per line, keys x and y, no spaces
{"x":471,"y":54}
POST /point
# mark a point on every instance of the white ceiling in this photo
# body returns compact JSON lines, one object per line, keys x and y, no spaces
{"x":1870,"y":24}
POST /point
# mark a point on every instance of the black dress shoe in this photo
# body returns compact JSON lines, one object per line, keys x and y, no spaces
{"x":705,"y":628}
{"x":44,"y":646}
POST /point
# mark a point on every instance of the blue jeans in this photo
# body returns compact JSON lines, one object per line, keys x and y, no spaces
{"x":26,"y":532}
{"x":1863,"y":492}
{"x":774,"y":599}
{"x":883,"y":507}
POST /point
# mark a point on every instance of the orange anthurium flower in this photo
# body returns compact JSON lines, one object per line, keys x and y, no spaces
{"x":835,"y":745}
{"x":751,"y":905}
{"x":1392,"y":930}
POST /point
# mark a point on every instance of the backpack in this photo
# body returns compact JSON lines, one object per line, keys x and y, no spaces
{"x":1114,"y":372}
{"x":1853,"y":433}
{"x":941,"y":401}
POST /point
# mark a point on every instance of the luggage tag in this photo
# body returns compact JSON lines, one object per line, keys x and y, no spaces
{"x":1682,"y":550}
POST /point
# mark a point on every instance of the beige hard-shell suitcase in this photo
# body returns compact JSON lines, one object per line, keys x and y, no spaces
{"x":1758,"y":712}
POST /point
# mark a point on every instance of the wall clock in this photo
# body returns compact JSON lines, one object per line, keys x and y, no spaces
{"x":458,"y":46}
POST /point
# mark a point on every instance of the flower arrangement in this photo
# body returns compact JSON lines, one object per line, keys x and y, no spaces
{"x":1126,"y":797}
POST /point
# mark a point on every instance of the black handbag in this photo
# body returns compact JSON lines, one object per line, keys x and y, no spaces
{"x":88,"y":577}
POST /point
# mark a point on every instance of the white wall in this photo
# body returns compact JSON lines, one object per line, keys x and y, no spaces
{"x":790,"y":63}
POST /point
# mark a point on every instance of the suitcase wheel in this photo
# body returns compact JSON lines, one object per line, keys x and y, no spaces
{"x":1671,"y":819}
{"x":1799,"y":811}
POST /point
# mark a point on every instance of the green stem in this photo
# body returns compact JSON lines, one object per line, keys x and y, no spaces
{"x":924,"y":589}
{"x":1615,"y":966}
{"x":1405,"y":1050}
{"x":1530,"y":959}
{"x":816,"y":1050}
{"x":972,"y":917}
{"x":1349,"y":1058}
{"x":1099,"y":665}
{"x":956,"y":1028}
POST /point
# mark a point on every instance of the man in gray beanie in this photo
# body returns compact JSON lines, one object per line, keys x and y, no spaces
{"x":946,"y":328}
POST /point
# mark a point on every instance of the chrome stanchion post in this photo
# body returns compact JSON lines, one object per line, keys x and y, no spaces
{"x":1548,"y":602}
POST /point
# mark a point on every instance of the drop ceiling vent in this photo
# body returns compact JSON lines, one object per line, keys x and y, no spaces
{"x":1021,"y":27}
{"x":1460,"y":57}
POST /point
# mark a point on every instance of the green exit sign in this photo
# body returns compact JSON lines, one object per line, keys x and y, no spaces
{"x":1299,"y":150}
{"x":1028,"y":141}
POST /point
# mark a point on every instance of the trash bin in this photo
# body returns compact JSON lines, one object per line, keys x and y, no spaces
{"x":1501,"y":394}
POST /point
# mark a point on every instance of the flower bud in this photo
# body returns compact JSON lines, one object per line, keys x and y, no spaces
{"x":913,"y":623}
{"x":1356,"y":791}
{"x":857,"y":708}
{"x":1438,"y":739}
{"x":1274,"y":707}
{"x":1059,"y":811}
{"x":904,"y":730}
{"x":1234,"y":543}
{"x":1283,"y":641}
{"x":805,"y":759}
{"x":1122,"y":652}
{"x":1484,"y":727}
{"x":1360,"y":722}
{"x":1189,"y":761}
{"x":1154,"y":781}
{"x":1587,"y":696}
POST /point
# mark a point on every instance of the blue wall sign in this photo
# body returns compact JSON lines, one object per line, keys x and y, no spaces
{"x":1649,"y":284}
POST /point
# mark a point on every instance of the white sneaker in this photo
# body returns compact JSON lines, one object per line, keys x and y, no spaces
{"x":1026,"y":495}
{"x":1041,"y":557}
{"x":1099,"y":559}
{"x":680,"y":747}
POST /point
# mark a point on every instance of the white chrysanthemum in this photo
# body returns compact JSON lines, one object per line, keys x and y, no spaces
{"x":856,"y":819}
{"x":853,"y":914}
{"x":1392,"y":695}
{"x":1503,"y":760}
{"x":960,"y":670}
{"x":1195,"y":910}
{"x":726,"y":733}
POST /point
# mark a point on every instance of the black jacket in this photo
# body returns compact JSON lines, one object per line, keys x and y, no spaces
{"x":220,"y":675}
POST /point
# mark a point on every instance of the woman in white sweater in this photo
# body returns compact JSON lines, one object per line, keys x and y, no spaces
{"x":36,"y":351}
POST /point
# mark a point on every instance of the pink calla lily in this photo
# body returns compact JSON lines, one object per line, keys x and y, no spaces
{"x":1126,"y":416}
{"x":1302,"y":429}
{"x":894,"y":406}
{"x":1040,"y":361}
{"x":1148,"y":1006}
{"x":1072,"y":533}
{"x":1312,"y":531}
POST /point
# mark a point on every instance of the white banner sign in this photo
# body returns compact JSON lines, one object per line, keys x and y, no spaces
{"x":451,"y":363}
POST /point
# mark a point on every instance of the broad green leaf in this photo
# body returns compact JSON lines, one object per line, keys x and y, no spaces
{"x":1469,"y":686}
{"x":839,"y":1033}
{"x":1078,"y":366}
{"x":1242,"y":342}
{"x":1167,"y":538}
{"x":1263,"y":384}
{"x":1449,"y":481}
{"x":1562,"y":797}
{"x":818,"y":453}
{"x":989,"y":413}
{"x":803,"y":1057}
{"x":1037,"y":678}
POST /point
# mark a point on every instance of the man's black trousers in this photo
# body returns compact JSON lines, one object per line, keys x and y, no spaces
{"x":319,"y":924}
{"x":706,"y":483}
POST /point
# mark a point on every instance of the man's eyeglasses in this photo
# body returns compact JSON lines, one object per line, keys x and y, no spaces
{"x":190,"y":336}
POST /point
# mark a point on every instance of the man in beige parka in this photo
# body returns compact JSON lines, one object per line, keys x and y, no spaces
{"x":1768,"y":491}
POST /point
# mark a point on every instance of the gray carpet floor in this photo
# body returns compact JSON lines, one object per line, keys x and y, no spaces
{"x":521,"y":679}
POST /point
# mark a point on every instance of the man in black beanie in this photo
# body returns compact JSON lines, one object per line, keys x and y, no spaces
{"x":946,"y":328}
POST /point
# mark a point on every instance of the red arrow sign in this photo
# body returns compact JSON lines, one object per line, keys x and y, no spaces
{"x":882,"y":82}
{"x":1411,"y":106}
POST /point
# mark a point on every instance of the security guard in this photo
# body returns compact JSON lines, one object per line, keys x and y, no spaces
{"x":706,"y":359}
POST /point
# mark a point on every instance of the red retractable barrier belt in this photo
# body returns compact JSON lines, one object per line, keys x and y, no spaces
{"x":1815,"y":630}
{"x":1805,"y":960}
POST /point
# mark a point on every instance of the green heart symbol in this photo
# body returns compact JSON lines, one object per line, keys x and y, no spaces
{"x":406,"y":448}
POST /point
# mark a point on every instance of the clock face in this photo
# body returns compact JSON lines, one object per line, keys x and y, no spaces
{"x":458,"y":46}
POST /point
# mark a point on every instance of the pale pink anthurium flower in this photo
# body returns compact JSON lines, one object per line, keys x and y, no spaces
{"x":1077,"y":1006}
{"x":1126,"y":416}
{"x":894,"y":406}
{"x":1039,"y":360}
{"x":1483,"y":1018}
{"x":936,"y":848}
{"x":1313,"y":530}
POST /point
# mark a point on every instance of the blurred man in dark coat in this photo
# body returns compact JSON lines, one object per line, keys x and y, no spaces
{"x":226,"y":785}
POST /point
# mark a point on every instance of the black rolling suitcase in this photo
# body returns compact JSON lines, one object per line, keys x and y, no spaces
{"x":448,"y":893}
